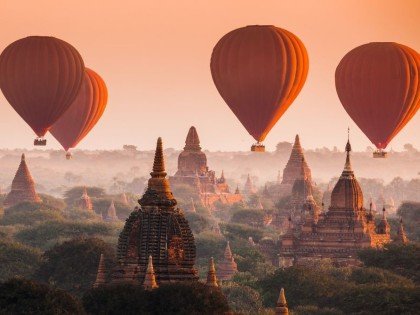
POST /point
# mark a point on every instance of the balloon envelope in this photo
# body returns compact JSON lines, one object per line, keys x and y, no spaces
{"x":83,"y":113}
{"x":40,"y":77}
{"x":378,"y":85}
{"x":259,"y":71}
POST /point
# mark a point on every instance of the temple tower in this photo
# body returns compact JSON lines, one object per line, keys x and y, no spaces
{"x":281,"y":305}
{"x":157,"y":228}
{"x":383,"y":226}
{"x":401,"y":237}
{"x":111,"y":215}
{"x":211,"y":275}
{"x":123,"y":199}
{"x":150,"y":279}
{"x":84,"y":203}
{"x":227,"y":267}
{"x":23,"y":187}
{"x":249,"y":188}
{"x":293,"y":167}
{"x":101,"y":273}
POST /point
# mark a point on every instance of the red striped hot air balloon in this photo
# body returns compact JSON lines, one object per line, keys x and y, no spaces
{"x":40,"y":77}
{"x":379,"y":87}
{"x":83,"y":113}
{"x":259,"y":71}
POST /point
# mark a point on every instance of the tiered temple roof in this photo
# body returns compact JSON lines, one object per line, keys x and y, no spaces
{"x":159,"y":229}
{"x":23,"y":187}
{"x":341,"y":232}
{"x":227,"y":267}
{"x":84,"y":203}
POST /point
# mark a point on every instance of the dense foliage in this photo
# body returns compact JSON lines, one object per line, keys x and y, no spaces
{"x":28,"y":213}
{"x":192,"y":298}
{"x":410,"y":213}
{"x":19,"y":296}
{"x":73,"y":265}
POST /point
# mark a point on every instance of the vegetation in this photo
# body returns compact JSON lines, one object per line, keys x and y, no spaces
{"x":28,"y":213}
{"x":20,"y":296}
{"x":410,"y":213}
{"x":72,"y":265}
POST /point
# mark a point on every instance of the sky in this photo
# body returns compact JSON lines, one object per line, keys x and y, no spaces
{"x":154,"y":57}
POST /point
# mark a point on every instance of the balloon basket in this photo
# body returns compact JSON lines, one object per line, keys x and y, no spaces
{"x":379,"y":154}
{"x":258,"y":147}
{"x":40,"y":142}
{"x":68,"y":156}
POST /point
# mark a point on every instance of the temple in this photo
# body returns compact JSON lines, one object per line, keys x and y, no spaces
{"x":194,"y":172}
{"x":23,"y":187}
{"x":159,"y":229}
{"x":111,"y":214}
{"x":249,"y":188}
{"x":227,"y":268}
{"x":339,"y":233}
{"x":281,"y":305}
{"x":211,"y":275}
{"x":84,"y":202}
{"x":101,"y":273}
{"x":401,"y":237}
{"x":150,"y":278}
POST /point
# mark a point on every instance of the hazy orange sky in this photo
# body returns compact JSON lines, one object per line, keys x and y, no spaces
{"x":155,"y":55}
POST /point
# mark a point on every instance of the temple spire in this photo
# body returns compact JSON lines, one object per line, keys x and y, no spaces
{"x":237,"y":192}
{"x":281,"y":305}
{"x":401,"y":236}
{"x":211,"y":275}
{"x":192,"y":206}
{"x":347,"y":166}
{"x":159,"y":162}
{"x":192,"y":142}
{"x":101,"y":273}
{"x":150,"y":278}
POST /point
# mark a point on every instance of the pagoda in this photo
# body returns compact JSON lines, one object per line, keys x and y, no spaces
{"x":123,"y":199}
{"x":157,"y":228}
{"x":296,"y":161}
{"x":211,"y":275}
{"x":401,"y":237}
{"x":101,"y":273}
{"x":249,"y":188}
{"x":339,"y":233}
{"x":23,"y":187}
{"x":227,"y":267}
{"x":84,"y":202}
{"x":193,"y":171}
{"x":111,"y":214}
{"x":281,"y":305}
{"x":150,"y":278}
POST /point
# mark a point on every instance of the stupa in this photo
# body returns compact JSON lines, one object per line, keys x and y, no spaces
{"x":23,"y":187}
{"x":150,"y":278}
{"x":211,"y":275}
{"x":339,"y":233}
{"x":101,"y":273}
{"x":84,"y":203}
{"x":292,"y":171}
{"x":401,"y":237}
{"x":227,"y":268}
{"x":281,"y":305}
{"x":249,"y":188}
{"x":111,"y":214}
{"x":194,"y":172}
{"x":159,"y":229}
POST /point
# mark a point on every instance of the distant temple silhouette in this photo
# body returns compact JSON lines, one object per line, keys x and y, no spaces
{"x":194,"y":172}
{"x":23,"y":187}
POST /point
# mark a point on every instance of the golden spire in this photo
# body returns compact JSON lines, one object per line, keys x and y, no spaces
{"x":211,"y":275}
{"x":101,"y":274}
{"x":159,"y":162}
{"x":281,"y":306}
{"x":347,"y":166}
{"x":150,"y":279}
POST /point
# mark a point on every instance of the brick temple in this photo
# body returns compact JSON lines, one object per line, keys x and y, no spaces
{"x":340,"y":232}
{"x":23,"y":187}
{"x":158,"y":229}
{"x":194,"y":172}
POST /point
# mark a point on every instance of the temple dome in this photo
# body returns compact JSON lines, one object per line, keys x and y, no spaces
{"x":347,"y":192}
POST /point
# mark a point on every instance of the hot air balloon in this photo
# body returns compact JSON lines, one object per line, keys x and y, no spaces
{"x":83,"y":113}
{"x":259,"y":70}
{"x":379,"y":87}
{"x":40,"y":77}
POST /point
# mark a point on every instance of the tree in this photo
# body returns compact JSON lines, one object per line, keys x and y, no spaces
{"x":17,"y":260}
{"x":284,"y":147}
{"x":176,"y":298}
{"x":73,"y":194}
{"x":409,"y":211}
{"x":20,"y":296}
{"x":29,"y":213}
{"x":72,"y":265}
{"x":243,"y":299}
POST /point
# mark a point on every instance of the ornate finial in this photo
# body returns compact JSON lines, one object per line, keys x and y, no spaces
{"x":22,"y":158}
{"x":383,"y":212}
{"x":297,"y":140}
{"x":347,"y":165}
{"x":150,"y":279}
{"x":159,"y":162}
{"x":281,"y":305}
{"x":211,"y":275}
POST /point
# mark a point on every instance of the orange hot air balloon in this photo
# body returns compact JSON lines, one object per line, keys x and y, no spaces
{"x":259,"y":71}
{"x":40,"y":77}
{"x":83,"y":113}
{"x":379,"y":87}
